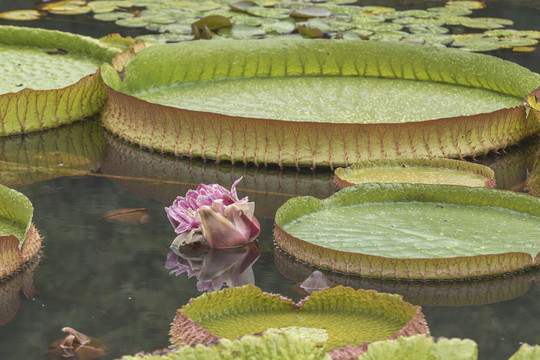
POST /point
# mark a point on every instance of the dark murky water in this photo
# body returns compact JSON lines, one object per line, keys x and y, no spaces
{"x":108,"y":280}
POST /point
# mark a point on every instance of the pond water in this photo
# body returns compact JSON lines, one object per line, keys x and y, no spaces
{"x":108,"y":279}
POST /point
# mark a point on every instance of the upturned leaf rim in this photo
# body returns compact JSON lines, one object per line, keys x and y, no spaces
{"x":374,"y":266}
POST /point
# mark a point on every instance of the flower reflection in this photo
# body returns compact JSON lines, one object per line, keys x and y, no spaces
{"x":215,"y":268}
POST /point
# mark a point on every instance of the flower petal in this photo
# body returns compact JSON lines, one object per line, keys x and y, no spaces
{"x":220,"y":232}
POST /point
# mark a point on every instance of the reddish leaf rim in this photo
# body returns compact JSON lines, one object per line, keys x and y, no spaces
{"x":374,"y":266}
{"x":185,"y":331}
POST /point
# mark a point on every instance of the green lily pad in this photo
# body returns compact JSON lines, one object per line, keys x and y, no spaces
{"x":412,"y":231}
{"x":340,"y":120}
{"x":422,"y":347}
{"x":32,"y":94}
{"x":19,"y":240}
{"x":527,"y":352}
{"x":262,"y":347}
{"x":366,"y":316}
{"x":417,"y":171}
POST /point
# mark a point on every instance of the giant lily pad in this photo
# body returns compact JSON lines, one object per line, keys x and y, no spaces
{"x":417,"y":171}
{"x":365,"y":100}
{"x":412,"y":231}
{"x":19,"y":240}
{"x":48,"y":78}
{"x":346,"y":317}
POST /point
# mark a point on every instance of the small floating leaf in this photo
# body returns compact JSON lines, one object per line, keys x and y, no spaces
{"x":450,"y":11}
{"x":485,"y":23}
{"x":412,"y":21}
{"x":242,"y":6}
{"x":113,"y":16}
{"x":472,"y":5}
{"x":132,"y":22}
{"x":196,"y":5}
{"x":242,"y":31}
{"x":213,"y":22}
{"x":524,"y":49}
{"x":21,"y":15}
{"x":166,"y":37}
{"x":310,"y":32}
{"x":311,"y":12}
{"x":428,"y":30}
{"x":510,"y":42}
{"x":375,"y":26}
{"x":277,"y":13}
{"x":285,"y":26}
{"x":108,"y":6}
{"x":379,"y":9}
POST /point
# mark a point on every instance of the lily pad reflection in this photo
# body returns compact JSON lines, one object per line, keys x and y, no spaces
{"x":464,"y":293}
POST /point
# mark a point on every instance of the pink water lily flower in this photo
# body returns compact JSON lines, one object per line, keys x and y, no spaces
{"x":214,"y":216}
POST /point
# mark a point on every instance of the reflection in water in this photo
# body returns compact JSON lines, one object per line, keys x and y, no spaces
{"x":162,"y":177}
{"x":513,"y":165}
{"x":66,"y":151}
{"x":314,"y":282}
{"x":11,"y":288}
{"x":447,"y":293}
{"x":215,"y":268}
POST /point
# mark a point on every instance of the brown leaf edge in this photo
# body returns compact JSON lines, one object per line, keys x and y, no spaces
{"x":185,"y":331}
{"x":13,"y":259}
{"x":340,"y":174}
